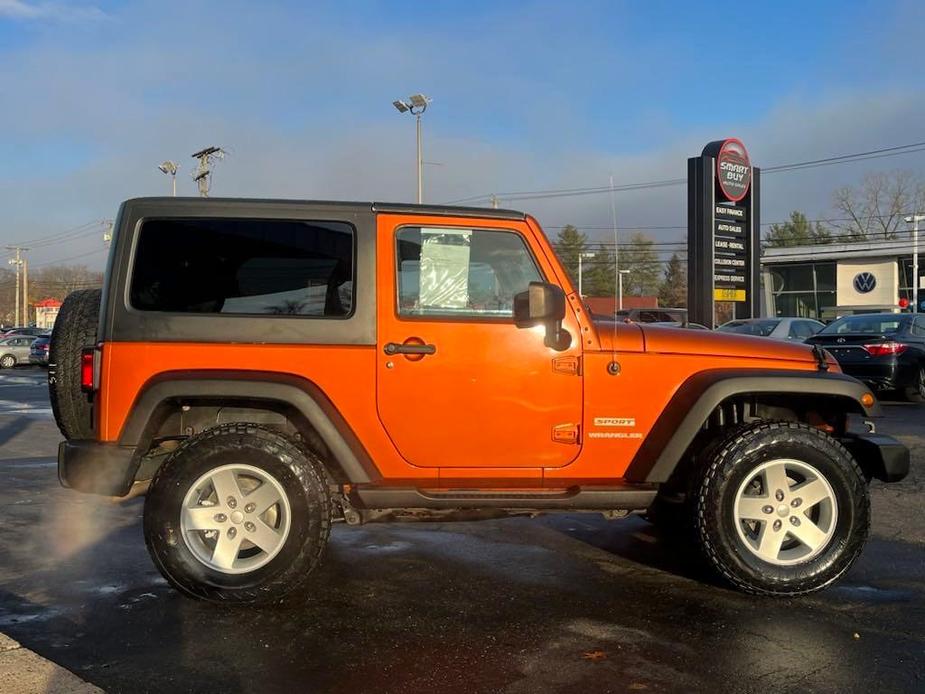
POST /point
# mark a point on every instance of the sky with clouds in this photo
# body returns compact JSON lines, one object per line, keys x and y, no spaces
{"x":526,"y":96}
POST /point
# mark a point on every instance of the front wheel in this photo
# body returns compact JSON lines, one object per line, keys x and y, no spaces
{"x":239,"y":513}
{"x":781,"y":509}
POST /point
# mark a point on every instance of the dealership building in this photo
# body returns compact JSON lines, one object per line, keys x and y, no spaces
{"x":831,"y":280}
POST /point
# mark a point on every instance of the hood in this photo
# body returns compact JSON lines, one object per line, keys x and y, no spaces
{"x":709,"y":343}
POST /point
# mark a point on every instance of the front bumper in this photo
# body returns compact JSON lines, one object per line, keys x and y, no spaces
{"x":96,"y":468}
{"x":880,"y":375}
{"x":881,"y":457}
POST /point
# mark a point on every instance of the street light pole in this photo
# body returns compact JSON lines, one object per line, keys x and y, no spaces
{"x":915,"y":219}
{"x":416,"y":105}
{"x":620,"y":274}
{"x":580,"y":256}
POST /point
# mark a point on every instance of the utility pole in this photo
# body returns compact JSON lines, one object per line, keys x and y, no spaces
{"x":494,"y":201}
{"x":203,"y":172}
{"x":915,"y":219}
{"x":25,"y":291}
{"x":17,"y":263}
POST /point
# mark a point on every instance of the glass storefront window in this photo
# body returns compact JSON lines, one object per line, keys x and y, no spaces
{"x":796,"y":304}
{"x":791,"y":278}
{"x":825,"y":278}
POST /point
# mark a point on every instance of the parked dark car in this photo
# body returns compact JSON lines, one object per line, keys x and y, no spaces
{"x":38,"y":353}
{"x":885,"y":350}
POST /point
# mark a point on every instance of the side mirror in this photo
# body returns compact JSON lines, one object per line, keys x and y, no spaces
{"x":543,"y":304}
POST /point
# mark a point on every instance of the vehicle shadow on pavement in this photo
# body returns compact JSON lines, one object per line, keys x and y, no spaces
{"x":636,"y":540}
{"x":13,"y":428}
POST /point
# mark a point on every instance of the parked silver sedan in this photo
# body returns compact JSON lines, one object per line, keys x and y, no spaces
{"x":797,"y":329}
{"x":15,"y":350}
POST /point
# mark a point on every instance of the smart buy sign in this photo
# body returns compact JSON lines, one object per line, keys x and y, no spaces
{"x":733,"y":170}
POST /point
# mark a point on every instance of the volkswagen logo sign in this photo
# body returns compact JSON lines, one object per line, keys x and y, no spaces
{"x":865,"y":282}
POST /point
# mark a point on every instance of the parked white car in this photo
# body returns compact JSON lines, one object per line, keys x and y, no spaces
{"x":798,"y":329}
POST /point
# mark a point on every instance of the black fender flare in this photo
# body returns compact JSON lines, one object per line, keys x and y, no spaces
{"x":154,"y":401}
{"x":696,"y":398}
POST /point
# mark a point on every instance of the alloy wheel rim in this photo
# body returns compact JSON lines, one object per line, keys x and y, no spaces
{"x":235,"y":518}
{"x":785,"y":512}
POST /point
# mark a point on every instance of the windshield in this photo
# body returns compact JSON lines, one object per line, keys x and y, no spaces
{"x":864,"y":325}
{"x":761,"y":328}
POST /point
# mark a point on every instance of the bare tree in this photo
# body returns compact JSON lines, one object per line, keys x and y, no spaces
{"x":875,"y":209}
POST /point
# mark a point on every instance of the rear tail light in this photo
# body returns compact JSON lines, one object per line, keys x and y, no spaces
{"x":883,"y":349}
{"x":87,"y":359}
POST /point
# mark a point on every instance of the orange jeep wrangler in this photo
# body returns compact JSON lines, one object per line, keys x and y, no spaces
{"x":260,"y":368}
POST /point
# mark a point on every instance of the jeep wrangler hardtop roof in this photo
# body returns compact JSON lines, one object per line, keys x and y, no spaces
{"x":386,"y":207}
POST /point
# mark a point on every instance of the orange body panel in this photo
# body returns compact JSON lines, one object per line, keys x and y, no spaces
{"x":481,"y":411}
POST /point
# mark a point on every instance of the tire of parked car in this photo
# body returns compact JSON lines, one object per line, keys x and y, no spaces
{"x":75,"y":328}
{"x":781,"y":508}
{"x":7,"y":361}
{"x":916,"y":391}
{"x":239,"y":513}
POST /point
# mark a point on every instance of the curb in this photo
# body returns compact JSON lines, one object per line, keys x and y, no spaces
{"x":26,"y":672}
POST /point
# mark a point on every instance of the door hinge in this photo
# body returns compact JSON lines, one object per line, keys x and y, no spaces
{"x":565,"y":433}
{"x":570,"y":366}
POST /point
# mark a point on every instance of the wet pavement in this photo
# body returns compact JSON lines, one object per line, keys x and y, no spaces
{"x":569,"y":603}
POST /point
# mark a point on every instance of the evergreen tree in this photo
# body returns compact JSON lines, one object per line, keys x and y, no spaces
{"x":570,"y":243}
{"x":599,"y":274}
{"x":797,"y":231}
{"x":673,"y":291}
{"x":638,"y":255}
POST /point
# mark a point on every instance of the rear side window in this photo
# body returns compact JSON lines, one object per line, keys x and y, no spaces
{"x":244,"y":266}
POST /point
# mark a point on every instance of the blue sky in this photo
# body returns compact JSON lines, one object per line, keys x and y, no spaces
{"x":527,"y":96}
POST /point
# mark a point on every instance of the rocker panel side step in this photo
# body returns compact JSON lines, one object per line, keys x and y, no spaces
{"x":631,"y":498}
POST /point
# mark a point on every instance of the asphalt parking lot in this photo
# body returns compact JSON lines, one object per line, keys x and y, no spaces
{"x":557,"y":603}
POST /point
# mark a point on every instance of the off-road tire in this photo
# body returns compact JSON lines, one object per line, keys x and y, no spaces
{"x":75,"y":328}
{"x":297,"y":469}
{"x":728,"y":464}
{"x":916,"y":391}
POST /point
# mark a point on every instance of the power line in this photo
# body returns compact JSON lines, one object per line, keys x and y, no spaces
{"x":792,"y":166}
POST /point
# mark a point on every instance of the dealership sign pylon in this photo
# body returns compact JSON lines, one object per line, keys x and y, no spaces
{"x":723,"y":228}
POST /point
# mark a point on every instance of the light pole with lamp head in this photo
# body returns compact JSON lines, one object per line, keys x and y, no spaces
{"x":170,"y":168}
{"x":588,"y":255}
{"x":914,"y":221}
{"x":620,"y":288}
{"x":416,"y":105}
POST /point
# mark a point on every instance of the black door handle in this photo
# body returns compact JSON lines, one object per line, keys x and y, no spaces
{"x":396,"y":348}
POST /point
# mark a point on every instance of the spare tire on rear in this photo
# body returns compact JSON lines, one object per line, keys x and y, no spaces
{"x":75,"y":328}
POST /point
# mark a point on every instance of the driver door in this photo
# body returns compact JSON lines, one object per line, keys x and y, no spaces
{"x":475,"y":391}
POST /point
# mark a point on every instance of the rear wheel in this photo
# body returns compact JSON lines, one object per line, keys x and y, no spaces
{"x":781,"y":509}
{"x":916,"y":391}
{"x":239,"y":513}
{"x":75,"y":328}
{"x":7,"y":361}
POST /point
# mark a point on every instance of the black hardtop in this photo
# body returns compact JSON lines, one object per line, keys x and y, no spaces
{"x":181,"y":204}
